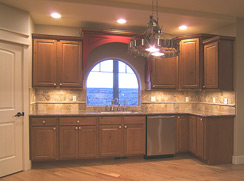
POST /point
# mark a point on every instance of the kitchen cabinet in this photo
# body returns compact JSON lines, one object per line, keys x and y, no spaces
{"x":189,"y":64}
{"x":57,"y":62}
{"x":78,"y":137}
{"x":201,"y":137}
{"x":121,"y":136}
{"x":164,"y":73}
{"x":193,"y":134}
{"x":182,"y":133}
{"x":218,"y":63}
{"x":43,"y":138}
{"x":134,"y":135}
{"x":211,"y":138}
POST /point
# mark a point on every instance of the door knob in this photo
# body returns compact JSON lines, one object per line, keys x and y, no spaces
{"x":19,"y":114}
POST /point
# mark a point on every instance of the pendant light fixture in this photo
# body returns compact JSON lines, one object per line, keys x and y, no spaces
{"x":153,"y":42}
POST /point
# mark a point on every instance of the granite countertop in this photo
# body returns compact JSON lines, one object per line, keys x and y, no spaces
{"x":106,"y":113}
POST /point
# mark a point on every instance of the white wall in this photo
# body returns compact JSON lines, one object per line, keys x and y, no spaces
{"x":239,"y":88}
{"x":57,"y":30}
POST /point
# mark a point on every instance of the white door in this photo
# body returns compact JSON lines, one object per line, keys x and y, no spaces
{"x":11,"y":127}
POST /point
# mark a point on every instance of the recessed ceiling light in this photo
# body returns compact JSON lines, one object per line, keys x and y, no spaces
{"x":121,"y":21}
{"x":183,"y":27}
{"x":56,"y":15}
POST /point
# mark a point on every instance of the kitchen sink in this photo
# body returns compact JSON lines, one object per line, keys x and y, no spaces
{"x":118,"y":112}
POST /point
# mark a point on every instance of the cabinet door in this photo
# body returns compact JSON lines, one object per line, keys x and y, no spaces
{"x":200,"y":137}
{"x":182,"y":134}
{"x":193,"y":134}
{"x":134,"y":138}
{"x":87,"y":141}
{"x":189,"y":64}
{"x":110,"y":140}
{"x":43,"y":143}
{"x":211,"y":66}
{"x":165,"y":73}
{"x":44,"y":63}
{"x":68,"y":136}
{"x":70,"y":63}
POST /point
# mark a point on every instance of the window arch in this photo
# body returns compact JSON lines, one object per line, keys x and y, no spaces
{"x":111,"y":79}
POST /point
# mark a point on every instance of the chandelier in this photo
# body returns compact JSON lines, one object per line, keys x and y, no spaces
{"x":153,"y":42}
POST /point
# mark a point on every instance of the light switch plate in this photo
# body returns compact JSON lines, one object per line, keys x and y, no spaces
{"x":225,"y":100}
{"x":74,"y":98}
{"x":214,"y":100}
{"x":153,"y":99}
{"x":187,"y":99}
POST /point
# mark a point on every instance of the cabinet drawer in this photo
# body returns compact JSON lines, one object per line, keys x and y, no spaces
{"x":77,"y":121}
{"x":43,"y":121}
{"x":134,"y":119}
{"x":110,"y":120}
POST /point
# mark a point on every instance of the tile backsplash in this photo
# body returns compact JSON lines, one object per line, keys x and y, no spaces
{"x":62,"y":99}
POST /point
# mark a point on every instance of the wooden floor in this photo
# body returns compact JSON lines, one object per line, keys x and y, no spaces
{"x":131,"y":169}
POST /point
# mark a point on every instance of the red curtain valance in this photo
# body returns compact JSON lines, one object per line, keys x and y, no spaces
{"x":93,"y":40}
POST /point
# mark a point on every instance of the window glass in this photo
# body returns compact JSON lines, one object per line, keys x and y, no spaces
{"x":104,"y":84}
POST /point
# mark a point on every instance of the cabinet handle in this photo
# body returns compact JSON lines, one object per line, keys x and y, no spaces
{"x":54,"y":84}
{"x":119,"y":127}
{"x":77,"y":121}
{"x":43,"y":122}
{"x":54,"y":129}
{"x":125,"y":126}
{"x":203,"y":86}
{"x":79,"y":127}
{"x":76,"y":127}
{"x":60,"y":84}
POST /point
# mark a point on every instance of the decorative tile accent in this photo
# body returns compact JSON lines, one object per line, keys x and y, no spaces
{"x":61,"y":99}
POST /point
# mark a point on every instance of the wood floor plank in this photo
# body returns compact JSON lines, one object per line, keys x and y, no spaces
{"x":179,"y":168}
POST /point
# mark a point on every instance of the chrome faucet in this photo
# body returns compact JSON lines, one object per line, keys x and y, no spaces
{"x":112,"y":104}
{"x":124,"y":108}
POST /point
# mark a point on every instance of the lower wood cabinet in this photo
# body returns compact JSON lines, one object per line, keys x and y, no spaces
{"x":43,"y":138}
{"x":78,"y":137}
{"x":134,"y":135}
{"x":182,"y":133}
{"x":122,"y":136}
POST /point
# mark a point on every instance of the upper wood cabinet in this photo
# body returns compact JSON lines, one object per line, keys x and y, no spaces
{"x":57,"y":63}
{"x":218,"y":63}
{"x":189,"y":64}
{"x":163,"y":73}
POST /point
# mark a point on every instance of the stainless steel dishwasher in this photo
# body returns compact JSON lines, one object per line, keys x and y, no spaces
{"x":161,"y":135}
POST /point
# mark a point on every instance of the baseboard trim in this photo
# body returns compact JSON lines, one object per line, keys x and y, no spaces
{"x":238,"y":159}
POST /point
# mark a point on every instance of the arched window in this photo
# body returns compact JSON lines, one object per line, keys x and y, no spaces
{"x":111,"y":79}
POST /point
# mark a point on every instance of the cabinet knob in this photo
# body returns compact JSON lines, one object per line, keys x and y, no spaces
{"x":77,"y":121}
{"x":43,"y":122}
{"x":79,"y":127}
{"x":201,"y":119}
{"x":60,"y":84}
{"x":125,"y":126}
{"x":76,"y":127}
{"x":178,"y":117}
{"x":119,"y":127}
{"x":54,"y":84}
{"x":54,"y":129}
{"x":203,"y":86}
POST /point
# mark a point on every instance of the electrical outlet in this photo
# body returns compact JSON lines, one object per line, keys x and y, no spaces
{"x":74,"y":98}
{"x":187,"y":99}
{"x":153,"y":99}
{"x":225,"y":100}
{"x":214,"y":100}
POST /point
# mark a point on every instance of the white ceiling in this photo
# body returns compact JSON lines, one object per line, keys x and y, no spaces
{"x":202,"y":16}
